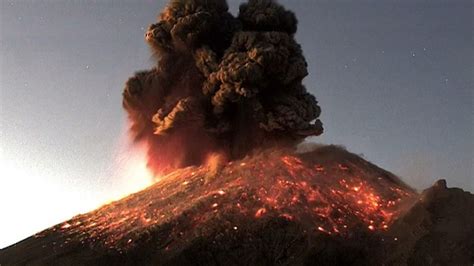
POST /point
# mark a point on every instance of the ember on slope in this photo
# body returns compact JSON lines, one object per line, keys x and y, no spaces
{"x":328,"y":191}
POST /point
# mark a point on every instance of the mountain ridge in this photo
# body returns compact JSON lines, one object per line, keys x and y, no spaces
{"x":276,"y":207}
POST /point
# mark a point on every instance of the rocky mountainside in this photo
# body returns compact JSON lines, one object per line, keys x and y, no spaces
{"x":276,"y":207}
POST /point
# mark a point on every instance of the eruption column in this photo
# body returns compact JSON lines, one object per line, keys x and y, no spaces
{"x":222,"y":84}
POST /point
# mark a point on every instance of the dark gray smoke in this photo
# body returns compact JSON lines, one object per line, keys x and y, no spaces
{"x":221,"y":84}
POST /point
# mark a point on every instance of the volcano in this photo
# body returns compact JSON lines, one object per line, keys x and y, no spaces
{"x":326,"y":206}
{"x":221,"y":114}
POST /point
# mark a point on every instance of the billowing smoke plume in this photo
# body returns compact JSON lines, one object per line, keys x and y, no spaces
{"x":222,"y":84}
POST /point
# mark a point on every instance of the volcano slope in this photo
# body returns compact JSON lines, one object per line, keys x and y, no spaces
{"x":276,"y":207}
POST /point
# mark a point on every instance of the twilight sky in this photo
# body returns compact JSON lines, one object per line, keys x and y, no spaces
{"x":394,"y":80}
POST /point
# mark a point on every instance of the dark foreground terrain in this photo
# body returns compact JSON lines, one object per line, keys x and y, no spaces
{"x":323,"y":207}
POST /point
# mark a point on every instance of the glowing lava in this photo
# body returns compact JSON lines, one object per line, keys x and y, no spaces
{"x":328,"y":191}
{"x":139,"y":177}
{"x":130,"y":170}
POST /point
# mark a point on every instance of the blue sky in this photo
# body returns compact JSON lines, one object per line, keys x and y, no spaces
{"x":394,"y":80}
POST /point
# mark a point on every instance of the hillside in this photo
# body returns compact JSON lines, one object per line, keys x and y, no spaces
{"x":276,"y":207}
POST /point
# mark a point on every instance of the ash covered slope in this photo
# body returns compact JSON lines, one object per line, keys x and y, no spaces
{"x":437,"y":230}
{"x":276,"y":207}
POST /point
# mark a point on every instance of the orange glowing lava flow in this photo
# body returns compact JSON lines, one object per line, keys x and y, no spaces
{"x":329,"y":191}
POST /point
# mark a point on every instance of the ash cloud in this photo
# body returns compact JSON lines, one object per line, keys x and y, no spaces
{"x":222,"y":84}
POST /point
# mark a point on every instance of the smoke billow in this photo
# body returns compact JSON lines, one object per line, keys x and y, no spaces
{"x":222,"y":84}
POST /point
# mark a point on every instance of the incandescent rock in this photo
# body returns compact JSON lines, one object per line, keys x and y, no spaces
{"x":275,"y":207}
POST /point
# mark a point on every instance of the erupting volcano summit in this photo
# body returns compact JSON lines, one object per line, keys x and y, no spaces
{"x":222,"y":115}
{"x":276,"y":207}
{"x":222,"y":84}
